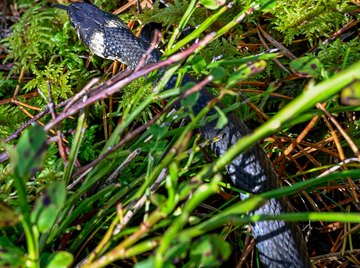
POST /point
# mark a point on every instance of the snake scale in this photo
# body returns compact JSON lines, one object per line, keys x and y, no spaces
{"x":280,"y":244}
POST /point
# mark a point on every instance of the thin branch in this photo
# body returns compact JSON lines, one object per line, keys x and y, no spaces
{"x":111,"y":89}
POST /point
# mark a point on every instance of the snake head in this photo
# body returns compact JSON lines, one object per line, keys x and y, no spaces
{"x":90,"y":23}
{"x":106,"y":35}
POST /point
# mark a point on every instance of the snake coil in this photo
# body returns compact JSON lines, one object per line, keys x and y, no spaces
{"x":280,"y":243}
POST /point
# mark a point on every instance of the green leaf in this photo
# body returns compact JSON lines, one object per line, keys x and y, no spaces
{"x":158,"y":200}
{"x":198,"y":63}
{"x":223,"y":120}
{"x":8,"y":217}
{"x":218,"y":73}
{"x":150,"y":263}
{"x":178,"y":250}
{"x":212,"y":4}
{"x":60,"y":259}
{"x":266,"y":5}
{"x":210,"y":251}
{"x":190,"y":100}
{"x":245,"y":71}
{"x":29,"y":151}
{"x":48,"y":206}
{"x":308,"y":66}
{"x":159,"y":131}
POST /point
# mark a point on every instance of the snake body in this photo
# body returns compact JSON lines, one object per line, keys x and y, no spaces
{"x":279,"y":243}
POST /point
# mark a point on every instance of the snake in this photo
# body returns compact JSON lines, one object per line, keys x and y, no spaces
{"x":279,"y":243}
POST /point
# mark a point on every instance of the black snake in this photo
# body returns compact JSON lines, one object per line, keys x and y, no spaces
{"x":280,"y":244}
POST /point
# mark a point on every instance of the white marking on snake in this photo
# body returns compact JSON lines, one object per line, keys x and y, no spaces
{"x":97,"y":44}
{"x":114,"y":24}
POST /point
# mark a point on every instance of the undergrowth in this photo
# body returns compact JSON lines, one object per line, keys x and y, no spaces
{"x":125,"y":180}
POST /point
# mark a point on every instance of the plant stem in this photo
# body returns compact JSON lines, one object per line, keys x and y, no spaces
{"x":30,"y":232}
